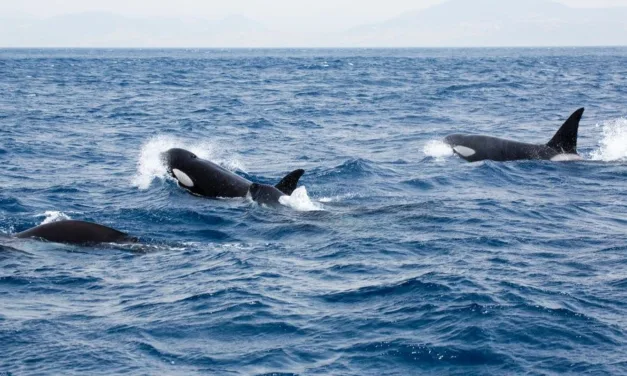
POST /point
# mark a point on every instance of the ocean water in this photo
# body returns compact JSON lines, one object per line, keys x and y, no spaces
{"x":394,"y":258}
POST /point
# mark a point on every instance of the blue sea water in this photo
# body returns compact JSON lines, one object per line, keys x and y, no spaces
{"x":396,"y":258}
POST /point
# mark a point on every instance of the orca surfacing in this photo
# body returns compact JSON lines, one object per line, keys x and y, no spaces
{"x":76,"y":232}
{"x":205,"y":178}
{"x":562,"y":147}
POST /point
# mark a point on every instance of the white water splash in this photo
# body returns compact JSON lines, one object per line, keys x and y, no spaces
{"x":151,"y":166}
{"x":53,"y":216}
{"x":437,"y":149}
{"x":338,"y":198}
{"x":300,"y":201}
{"x":613,"y":145}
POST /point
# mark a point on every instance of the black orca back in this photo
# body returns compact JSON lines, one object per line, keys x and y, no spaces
{"x":477,"y":147}
{"x":76,"y":232}
{"x":481,"y":147}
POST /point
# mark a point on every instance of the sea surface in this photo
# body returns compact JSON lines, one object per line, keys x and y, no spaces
{"x":395,"y":257}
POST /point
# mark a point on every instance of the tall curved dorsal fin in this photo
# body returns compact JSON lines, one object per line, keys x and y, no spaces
{"x":565,"y":140}
{"x":288,"y":184}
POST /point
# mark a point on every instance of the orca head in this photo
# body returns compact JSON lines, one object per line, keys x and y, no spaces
{"x":265,"y":194}
{"x":460,"y":145}
{"x":180,"y":164}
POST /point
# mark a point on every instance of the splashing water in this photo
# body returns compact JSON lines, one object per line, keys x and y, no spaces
{"x":339,"y":198}
{"x":300,"y":201}
{"x":613,"y":145}
{"x":150,"y":165}
{"x":437,"y":149}
{"x":53,"y":216}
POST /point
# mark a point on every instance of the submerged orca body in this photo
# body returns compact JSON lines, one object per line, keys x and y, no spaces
{"x":207,"y":179}
{"x":76,"y":232}
{"x":265,"y":194}
{"x":563,"y":146}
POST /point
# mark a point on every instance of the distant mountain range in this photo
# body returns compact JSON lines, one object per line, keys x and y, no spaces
{"x":461,"y":23}
{"x":467,"y":23}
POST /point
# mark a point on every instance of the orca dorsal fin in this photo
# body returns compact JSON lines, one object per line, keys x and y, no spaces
{"x":565,"y":140}
{"x":288,"y":184}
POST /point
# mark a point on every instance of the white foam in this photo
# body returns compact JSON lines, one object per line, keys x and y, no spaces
{"x":53,"y":216}
{"x":300,"y":201}
{"x":338,"y":198}
{"x":613,"y":145}
{"x":150,"y":165}
{"x":437,"y":149}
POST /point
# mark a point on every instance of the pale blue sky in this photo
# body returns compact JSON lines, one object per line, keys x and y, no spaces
{"x":286,"y":15}
{"x":312,"y":23}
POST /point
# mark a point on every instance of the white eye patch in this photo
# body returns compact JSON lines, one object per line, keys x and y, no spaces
{"x":566,"y":158}
{"x":183,"y":178}
{"x":464,"y":151}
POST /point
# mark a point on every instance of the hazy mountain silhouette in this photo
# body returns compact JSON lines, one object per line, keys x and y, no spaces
{"x":497,"y":23}
{"x":461,"y":23}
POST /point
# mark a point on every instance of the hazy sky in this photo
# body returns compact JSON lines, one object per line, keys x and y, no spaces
{"x":287,"y":15}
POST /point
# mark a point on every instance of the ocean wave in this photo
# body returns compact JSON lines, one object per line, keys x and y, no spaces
{"x":431,"y":355}
{"x":357,"y":168}
{"x":414,"y":285}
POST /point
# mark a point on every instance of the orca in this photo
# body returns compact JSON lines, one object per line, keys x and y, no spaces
{"x":76,"y":232}
{"x":562,"y":147}
{"x":265,"y":194}
{"x":204,"y":178}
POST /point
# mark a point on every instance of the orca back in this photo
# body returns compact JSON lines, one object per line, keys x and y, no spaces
{"x":76,"y":232}
{"x":203,"y":177}
{"x":475,"y":148}
{"x":265,"y":194}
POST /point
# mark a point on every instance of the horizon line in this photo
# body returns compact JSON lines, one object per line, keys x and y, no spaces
{"x":307,"y":48}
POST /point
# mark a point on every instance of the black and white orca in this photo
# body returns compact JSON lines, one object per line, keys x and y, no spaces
{"x":205,"y":178}
{"x":76,"y":232}
{"x":562,"y":147}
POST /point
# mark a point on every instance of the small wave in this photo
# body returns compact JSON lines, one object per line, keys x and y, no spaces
{"x":53,"y":216}
{"x":150,"y":165}
{"x":428,"y":354}
{"x":300,"y":201}
{"x":613,"y":145}
{"x":261,"y":123}
{"x":437,"y":149}
{"x":413,"y":285}
{"x":359,"y":168}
